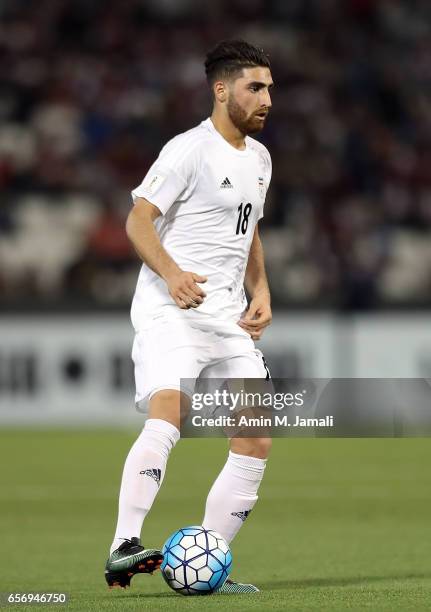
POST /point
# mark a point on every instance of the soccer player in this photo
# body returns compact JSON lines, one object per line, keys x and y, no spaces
{"x":194,"y":225}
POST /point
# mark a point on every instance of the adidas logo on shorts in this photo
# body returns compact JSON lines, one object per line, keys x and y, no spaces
{"x":154,"y":473}
{"x":226,"y":184}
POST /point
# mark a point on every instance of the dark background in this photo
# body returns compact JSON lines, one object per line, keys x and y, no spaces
{"x":91,"y":90}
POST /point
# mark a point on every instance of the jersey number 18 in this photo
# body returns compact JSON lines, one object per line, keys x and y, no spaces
{"x":243,"y":216}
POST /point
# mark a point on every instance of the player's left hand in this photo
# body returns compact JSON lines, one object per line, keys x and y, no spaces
{"x":257,"y":317}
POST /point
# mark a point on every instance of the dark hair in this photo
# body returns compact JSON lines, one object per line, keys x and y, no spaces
{"x":230,"y":56}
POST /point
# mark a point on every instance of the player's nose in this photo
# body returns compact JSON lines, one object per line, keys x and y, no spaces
{"x":266,"y":99}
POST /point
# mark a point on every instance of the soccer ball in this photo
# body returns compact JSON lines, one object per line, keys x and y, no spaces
{"x":196,"y":561}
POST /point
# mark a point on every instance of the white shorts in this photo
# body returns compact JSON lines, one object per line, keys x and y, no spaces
{"x":177,"y":349}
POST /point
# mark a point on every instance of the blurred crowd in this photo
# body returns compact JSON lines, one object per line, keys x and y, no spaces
{"x":91,"y":89}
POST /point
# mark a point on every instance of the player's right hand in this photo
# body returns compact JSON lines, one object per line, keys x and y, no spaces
{"x":184,"y":290}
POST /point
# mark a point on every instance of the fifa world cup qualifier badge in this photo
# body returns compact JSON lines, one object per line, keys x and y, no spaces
{"x":261,"y":187}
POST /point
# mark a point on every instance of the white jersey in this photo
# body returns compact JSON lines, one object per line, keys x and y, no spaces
{"x":211,"y":196}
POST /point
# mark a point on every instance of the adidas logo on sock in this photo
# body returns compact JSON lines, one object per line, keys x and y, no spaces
{"x":154,"y":473}
{"x":241,"y":515}
{"x":226,"y":184}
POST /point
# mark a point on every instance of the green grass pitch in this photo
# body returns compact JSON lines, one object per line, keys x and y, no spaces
{"x":340,"y":524}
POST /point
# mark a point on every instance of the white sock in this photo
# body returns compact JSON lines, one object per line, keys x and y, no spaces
{"x":143,"y":475}
{"x":233,"y":494}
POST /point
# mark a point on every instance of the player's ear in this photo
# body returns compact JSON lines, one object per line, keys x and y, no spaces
{"x":219,"y":89}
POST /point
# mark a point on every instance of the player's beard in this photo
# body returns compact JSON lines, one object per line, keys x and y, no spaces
{"x":238,"y":116}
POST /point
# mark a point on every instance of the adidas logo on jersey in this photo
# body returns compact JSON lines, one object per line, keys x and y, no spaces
{"x":241,"y":515}
{"x":226,"y":184}
{"x":154,"y":473}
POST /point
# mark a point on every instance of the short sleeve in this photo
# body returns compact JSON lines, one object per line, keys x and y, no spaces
{"x":171,"y":176}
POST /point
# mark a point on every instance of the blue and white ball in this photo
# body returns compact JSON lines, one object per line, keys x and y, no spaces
{"x":196,"y":561}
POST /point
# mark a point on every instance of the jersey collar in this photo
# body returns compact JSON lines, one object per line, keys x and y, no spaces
{"x":210,"y":126}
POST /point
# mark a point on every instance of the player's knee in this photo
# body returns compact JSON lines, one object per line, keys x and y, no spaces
{"x":262,"y":447}
{"x":169,"y":405}
{"x":166,"y":397}
{"x":253,"y":447}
